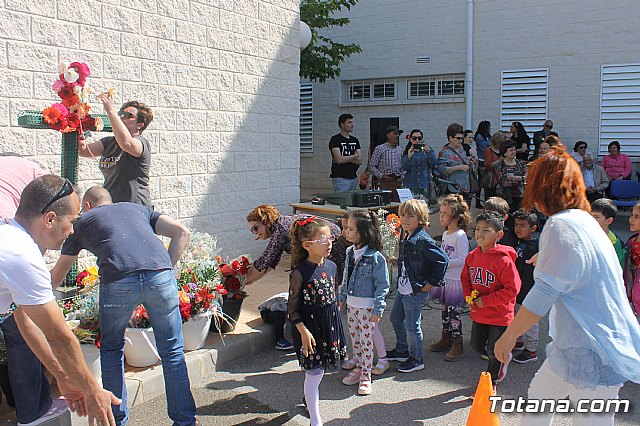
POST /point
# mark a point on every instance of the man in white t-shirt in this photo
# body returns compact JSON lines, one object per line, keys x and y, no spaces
{"x":45,"y":216}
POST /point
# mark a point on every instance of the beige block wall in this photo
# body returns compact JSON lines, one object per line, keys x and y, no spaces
{"x":220,"y":76}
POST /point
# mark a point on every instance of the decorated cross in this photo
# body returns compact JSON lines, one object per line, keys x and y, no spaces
{"x":70,"y":117}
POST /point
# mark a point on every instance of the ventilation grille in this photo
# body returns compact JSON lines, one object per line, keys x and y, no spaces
{"x":423,"y":60}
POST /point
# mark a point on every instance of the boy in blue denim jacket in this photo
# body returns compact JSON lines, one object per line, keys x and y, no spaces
{"x":422,"y":265}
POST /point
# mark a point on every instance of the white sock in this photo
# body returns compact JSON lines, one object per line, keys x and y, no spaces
{"x":312,"y":379}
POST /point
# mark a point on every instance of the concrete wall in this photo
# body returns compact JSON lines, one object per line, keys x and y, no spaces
{"x":572,"y":39}
{"x":220,"y":76}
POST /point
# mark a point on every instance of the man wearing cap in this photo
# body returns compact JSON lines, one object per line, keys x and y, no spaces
{"x":386,"y":164}
{"x":345,"y":156}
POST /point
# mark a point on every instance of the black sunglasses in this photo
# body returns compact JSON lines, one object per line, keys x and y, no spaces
{"x":416,"y":138}
{"x":67,"y":189}
{"x":126,"y":114}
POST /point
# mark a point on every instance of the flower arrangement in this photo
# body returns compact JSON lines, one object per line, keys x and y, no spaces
{"x":234,"y":277}
{"x":197,"y":263}
{"x":71,"y":114}
{"x":139,"y":318}
{"x":81,"y":311}
{"x":197,"y":299}
{"x":390,"y":231}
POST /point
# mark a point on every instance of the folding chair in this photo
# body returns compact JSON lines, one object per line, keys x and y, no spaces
{"x":625,"y":193}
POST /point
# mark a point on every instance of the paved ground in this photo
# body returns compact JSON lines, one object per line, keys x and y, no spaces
{"x":265,"y":389}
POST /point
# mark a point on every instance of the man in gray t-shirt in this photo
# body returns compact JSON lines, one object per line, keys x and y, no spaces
{"x":125,"y":157}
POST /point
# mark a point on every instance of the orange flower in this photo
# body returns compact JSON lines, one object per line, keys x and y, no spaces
{"x":184,"y":298}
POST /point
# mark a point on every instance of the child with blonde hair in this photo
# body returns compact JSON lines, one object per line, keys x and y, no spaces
{"x":421,"y":265}
{"x":455,"y":217}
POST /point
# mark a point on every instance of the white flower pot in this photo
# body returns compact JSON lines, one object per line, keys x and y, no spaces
{"x":195,"y":331}
{"x":140,"y":347}
{"x":92,"y":357}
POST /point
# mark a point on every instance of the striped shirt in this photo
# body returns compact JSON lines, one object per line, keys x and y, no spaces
{"x":386,"y":160}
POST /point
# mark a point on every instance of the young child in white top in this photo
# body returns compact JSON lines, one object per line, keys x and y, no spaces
{"x":455,"y":217}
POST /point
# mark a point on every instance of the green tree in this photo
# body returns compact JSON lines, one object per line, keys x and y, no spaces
{"x":321,"y":60}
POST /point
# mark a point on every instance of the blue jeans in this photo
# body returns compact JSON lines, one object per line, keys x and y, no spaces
{"x":30,"y":387}
{"x":406,"y":317}
{"x":157,"y":291}
{"x":344,"y":185}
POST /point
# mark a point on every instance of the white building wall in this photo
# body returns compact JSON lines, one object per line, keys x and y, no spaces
{"x":220,"y":76}
{"x":573,"y":39}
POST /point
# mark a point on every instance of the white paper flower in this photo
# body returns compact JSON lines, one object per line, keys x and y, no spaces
{"x":71,"y":75}
{"x":62,"y":67}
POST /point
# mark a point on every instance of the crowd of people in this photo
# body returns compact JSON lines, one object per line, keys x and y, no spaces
{"x":510,"y":280}
{"x":507,"y":277}
{"x":468,"y":163}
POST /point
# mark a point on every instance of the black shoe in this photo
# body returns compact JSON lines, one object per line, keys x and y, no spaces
{"x":394,"y":355}
{"x":410,"y":365}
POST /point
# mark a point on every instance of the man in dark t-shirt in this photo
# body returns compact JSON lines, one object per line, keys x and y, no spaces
{"x":135,"y":268}
{"x":345,"y":154}
{"x":125,"y":157}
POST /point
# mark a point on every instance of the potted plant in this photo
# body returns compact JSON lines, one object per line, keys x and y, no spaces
{"x":139,"y":342}
{"x":197,"y":306}
{"x":234,"y":278}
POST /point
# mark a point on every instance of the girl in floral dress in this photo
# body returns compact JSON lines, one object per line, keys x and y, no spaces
{"x":318,"y":336}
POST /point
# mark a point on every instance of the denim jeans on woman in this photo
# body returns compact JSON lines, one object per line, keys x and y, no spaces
{"x":157,"y":291}
{"x":406,"y":318}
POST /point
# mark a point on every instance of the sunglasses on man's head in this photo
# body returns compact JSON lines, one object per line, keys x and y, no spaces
{"x":416,"y":138}
{"x":126,"y":114}
{"x":67,"y":189}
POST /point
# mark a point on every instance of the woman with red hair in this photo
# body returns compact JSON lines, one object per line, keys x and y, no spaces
{"x":596,"y":337}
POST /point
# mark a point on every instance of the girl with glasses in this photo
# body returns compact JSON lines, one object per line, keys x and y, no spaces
{"x":318,"y":336}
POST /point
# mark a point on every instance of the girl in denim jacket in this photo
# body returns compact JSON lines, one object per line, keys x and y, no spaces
{"x":365,"y":284}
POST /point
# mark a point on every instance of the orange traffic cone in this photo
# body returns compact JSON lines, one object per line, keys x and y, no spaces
{"x":481,"y":414}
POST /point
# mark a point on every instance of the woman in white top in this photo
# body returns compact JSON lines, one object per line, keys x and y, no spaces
{"x":596,"y":337}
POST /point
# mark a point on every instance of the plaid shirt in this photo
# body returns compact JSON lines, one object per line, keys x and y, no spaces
{"x":386,"y":160}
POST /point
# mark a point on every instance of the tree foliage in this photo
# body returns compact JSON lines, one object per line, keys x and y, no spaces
{"x":321,"y":60}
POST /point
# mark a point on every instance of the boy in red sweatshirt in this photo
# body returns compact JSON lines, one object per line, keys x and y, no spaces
{"x":490,"y":269}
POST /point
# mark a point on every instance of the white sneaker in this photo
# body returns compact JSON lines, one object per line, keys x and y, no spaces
{"x":349,"y":364}
{"x":58,"y":408}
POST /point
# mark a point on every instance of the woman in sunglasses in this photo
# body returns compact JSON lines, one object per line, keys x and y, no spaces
{"x":266,"y":223}
{"x":125,"y":157}
{"x":418,"y":160}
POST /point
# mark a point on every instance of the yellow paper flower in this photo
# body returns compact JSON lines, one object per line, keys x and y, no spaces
{"x":111,"y":92}
{"x":93,"y":270}
{"x":469,"y":299}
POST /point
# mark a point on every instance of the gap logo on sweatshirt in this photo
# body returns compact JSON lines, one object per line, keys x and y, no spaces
{"x":481,"y":276}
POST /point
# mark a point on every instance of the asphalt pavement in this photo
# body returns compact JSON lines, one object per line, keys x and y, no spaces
{"x":266,"y":389}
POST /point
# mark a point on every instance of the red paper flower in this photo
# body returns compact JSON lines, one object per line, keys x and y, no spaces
{"x":83,"y":71}
{"x":232,"y":284}
{"x":80,"y":277}
{"x":226,"y":269}
{"x":185,"y":311}
{"x":235,"y":265}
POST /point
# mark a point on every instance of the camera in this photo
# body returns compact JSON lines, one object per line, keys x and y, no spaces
{"x":418,"y":146}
